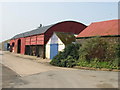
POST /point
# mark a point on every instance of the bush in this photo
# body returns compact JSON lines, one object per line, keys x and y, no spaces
{"x":68,"y":57}
{"x":95,"y":52}
{"x":93,"y":48}
{"x":99,"y":53}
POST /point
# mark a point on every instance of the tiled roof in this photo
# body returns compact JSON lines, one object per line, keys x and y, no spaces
{"x":104,"y":28}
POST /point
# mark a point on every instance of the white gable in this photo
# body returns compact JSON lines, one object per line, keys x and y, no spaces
{"x":54,"y":39}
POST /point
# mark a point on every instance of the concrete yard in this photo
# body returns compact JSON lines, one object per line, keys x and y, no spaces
{"x":28,"y":72}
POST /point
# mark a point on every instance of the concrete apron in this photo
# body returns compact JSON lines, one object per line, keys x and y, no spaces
{"x":25,"y":65}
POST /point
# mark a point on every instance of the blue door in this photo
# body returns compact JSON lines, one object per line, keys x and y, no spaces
{"x":53,"y":50}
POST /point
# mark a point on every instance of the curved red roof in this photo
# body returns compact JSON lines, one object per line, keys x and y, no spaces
{"x":104,"y":28}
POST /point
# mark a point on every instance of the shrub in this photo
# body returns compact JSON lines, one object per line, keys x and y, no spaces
{"x":95,"y":52}
{"x":93,"y":48}
{"x":99,"y":53}
{"x":68,"y":57}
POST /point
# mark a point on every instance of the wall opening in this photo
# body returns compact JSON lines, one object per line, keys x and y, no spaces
{"x":27,"y":49}
{"x":8,"y":46}
{"x":19,"y":46}
{"x":34,"y":50}
{"x":13,"y":44}
{"x":40,"y":51}
{"x":12,"y":47}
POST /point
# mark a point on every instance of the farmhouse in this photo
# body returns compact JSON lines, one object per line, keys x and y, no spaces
{"x":34,"y":42}
{"x":108,"y":30}
{"x":57,"y":43}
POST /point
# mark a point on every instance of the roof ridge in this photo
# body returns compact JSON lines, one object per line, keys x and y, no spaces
{"x":106,"y":21}
{"x":103,"y":28}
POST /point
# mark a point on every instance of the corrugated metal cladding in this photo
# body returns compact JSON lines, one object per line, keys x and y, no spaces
{"x":33,"y":42}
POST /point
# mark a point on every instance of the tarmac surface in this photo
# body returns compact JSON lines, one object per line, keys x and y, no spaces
{"x":8,"y":77}
{"x":19,"y":71}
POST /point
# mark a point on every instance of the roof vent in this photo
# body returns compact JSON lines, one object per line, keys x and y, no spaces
{"x":40,"y":26}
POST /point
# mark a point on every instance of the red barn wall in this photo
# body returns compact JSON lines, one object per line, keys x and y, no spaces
{"x":27,"y":40}
{"x":42,"y":39}
{"x":33,"y":40}
{"x":68,"y":26}
{"x":16,"y":45}
{"x":22,"y":45}
{"x":12,"y":41}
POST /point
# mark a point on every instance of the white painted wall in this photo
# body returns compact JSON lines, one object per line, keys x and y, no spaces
{"x":54,"y":40}
{"x":47,"y":52}
{"x":61,"y":45}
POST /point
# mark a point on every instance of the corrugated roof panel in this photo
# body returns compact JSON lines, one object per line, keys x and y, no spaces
{"x":39,"y":30}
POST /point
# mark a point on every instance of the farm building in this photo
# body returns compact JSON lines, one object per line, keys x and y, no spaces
{"x":105,"y":29}
{"x":57,"y":43}
{"x":34,"y":42}
{"x":5,"y":45}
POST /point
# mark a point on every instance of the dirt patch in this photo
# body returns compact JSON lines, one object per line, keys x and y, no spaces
{"x":105,"y":85}
{"x":96,"y":69}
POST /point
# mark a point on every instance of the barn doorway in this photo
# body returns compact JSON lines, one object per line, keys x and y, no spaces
{"x":19,"y":46}
{"x":27,"y":49}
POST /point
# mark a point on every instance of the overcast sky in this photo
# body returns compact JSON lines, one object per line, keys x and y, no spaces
{"x":24,"y":16}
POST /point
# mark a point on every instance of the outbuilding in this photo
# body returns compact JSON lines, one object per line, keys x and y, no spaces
{"x":5,"y":45}
{"x":34,"y":42}
{"x":57,"y":43}
{"x":108,"y":30}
